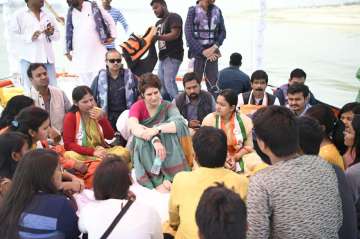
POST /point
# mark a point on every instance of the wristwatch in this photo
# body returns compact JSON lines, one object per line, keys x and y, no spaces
{"x":158,"y":129}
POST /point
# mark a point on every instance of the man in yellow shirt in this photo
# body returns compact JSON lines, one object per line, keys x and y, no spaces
{"x":210,"y":146}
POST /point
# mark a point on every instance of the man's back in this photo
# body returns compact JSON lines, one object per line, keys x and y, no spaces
{"x":233,"y":78}
{"x":186,"y":192}
{"x":296,"y":198}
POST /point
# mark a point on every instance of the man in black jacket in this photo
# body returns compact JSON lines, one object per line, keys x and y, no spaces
{"x":194,"y":104}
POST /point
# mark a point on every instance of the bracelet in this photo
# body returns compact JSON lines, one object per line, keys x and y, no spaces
{"x":154,"y":139}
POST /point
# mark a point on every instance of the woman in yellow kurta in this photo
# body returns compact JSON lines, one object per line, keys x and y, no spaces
{"x":237,"y":126}
{"x":326,"y":118}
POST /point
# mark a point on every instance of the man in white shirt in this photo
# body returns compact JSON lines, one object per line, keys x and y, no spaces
{"x":36,"y":30}
{"x":257,"y":95}
{"x":50,"y":98}
{"x":88,"y":29}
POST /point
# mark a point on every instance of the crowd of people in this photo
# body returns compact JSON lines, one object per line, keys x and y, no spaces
{"x":235,"y":161}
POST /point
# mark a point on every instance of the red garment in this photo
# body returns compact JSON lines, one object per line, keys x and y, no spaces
{"x":69,"y":134}
{"x":139,"y":111}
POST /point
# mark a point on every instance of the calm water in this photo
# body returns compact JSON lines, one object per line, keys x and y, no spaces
{"x":324,"y":42}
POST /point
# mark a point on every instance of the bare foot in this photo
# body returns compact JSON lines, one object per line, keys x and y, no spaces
{"x":167,"y":184}
{"x":161,"y":189}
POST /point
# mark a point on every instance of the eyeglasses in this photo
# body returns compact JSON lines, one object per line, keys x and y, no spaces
{"x":114,"y":60}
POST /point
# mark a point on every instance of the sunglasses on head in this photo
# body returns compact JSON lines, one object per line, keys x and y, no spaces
{"x":114,"y":60}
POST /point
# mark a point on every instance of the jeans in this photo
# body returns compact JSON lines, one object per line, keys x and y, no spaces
{"x":168,"y":69}
{"x":24,"y":65}
{"x":210,"y":71}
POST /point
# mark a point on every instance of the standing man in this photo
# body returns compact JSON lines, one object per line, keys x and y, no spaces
{"x":88,"y":29}
{"x":117,"y":15}
{"x":194,"y":104}
{"x":36,"y":30}
{"x":114,"y":89}
{"x":257,"y":95}
{"x":50,"y":98}
{"x":205,"y":33}
{"x":171,"y":51}
{"x":233,"y":78}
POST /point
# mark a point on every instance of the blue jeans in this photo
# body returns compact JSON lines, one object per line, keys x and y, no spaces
{"x":168,"y":69}
{"x":24,"y":65}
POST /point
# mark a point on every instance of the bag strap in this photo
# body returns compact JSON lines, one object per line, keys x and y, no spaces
{"x":117,"y":219}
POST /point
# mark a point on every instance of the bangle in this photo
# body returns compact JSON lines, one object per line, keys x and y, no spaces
{"x":154,"y":139}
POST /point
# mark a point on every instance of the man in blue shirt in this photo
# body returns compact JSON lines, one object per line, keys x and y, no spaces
{"x":117,"y":16}
{"x":233,"y":78}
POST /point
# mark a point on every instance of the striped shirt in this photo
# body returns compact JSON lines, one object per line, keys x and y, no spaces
{"x":118,"y":17}
{"x":297,"y":198}
{"x":49,"y":216}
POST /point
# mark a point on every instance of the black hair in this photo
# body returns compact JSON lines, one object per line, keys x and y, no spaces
{"x":13,"y":107}
{"x":298,"y":88}
{"x":310,"y":135}
{"x":77,"y":94}
{"x":148,"y":80}
{"x":190,"y":76}
{"x":348,"y":107}
{"x":11,"y":142}
{"x":259,"y":75}
{"x":32,"y":67}
{"x":112,"y":179}
{"x":325,"y":116}
{"x":221,"y":214}
{"x":30,"y":118}
{"x":299,"y":73}
{"x":214,"y":156}
{"x":34,"y":173}
{"x":235,"y":59}
{"x":355,"y":123}
{"x":277,"y":127}
{"x":161,"y":2}
{"x":338,"y":137}
{"x":111,"y":51}
{"x":230,"y":96}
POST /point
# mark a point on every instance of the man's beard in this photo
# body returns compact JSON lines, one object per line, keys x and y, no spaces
{"x":193,"y":96}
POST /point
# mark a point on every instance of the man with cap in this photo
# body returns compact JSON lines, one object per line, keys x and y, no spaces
{"x":233,"y":78}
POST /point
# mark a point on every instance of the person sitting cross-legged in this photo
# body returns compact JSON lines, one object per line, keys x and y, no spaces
{"x":210,"y":145}
{"x":161,"y":146}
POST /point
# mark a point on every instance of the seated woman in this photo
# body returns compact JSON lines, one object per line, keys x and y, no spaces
{"x":34,"y":122}
{"x":13,"y":107}
{"x":85,"y":129}
{"x":327,"y":119}
{"x":28,"y":209}
{"x":345,"y":116}
{"x":13,"y":146}
{"x":161,"y":137}
{"x":352,"y":141}
{"x":237,"y":127}
{"x":111,"y":188}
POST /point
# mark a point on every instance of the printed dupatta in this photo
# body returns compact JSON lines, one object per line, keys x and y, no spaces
{"x":178,"y":148}
{"x":239,"y":128}
{"x":82,"y":134}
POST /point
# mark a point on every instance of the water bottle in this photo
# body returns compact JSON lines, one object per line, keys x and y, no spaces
{"x":156,"y":167}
